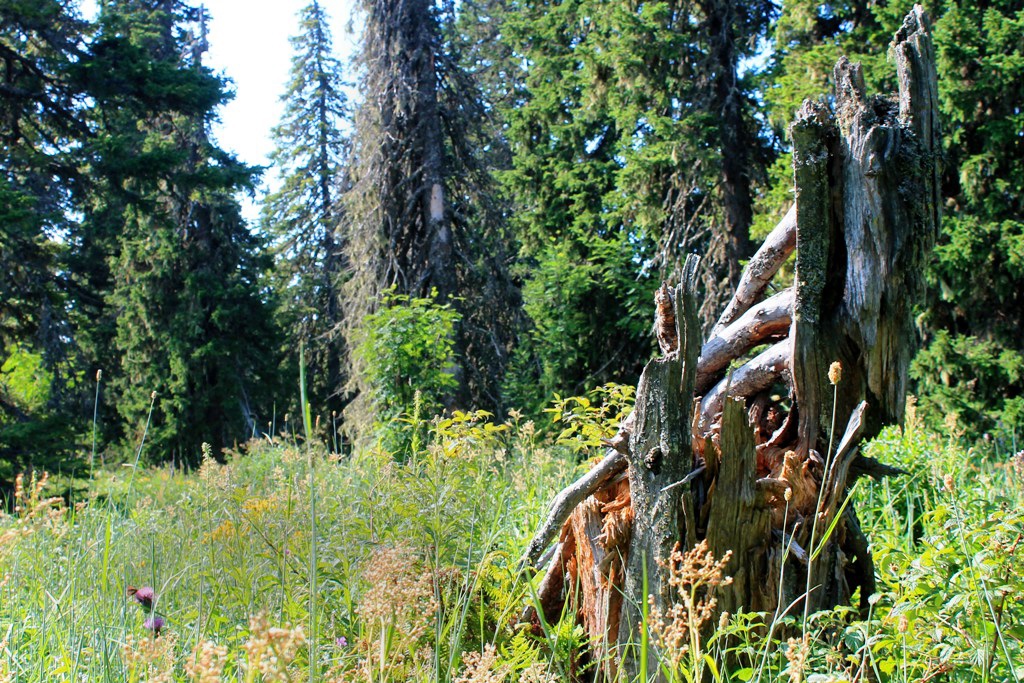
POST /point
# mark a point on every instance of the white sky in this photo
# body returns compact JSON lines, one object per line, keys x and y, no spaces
{"x":249,"y":44}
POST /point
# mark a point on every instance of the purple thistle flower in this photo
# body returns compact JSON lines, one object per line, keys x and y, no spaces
{"x":143,"y":596}
{"x":155,"y":624}
{"x":341,"y":641}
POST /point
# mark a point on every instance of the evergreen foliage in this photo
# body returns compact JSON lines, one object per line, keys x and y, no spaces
{"x":304,"y":215}
{"x":539,"y":164}
{"x":187,"y":275}
{"x":634,"y":144}
{"x":120,"y":226}
{"x":41,"y":134}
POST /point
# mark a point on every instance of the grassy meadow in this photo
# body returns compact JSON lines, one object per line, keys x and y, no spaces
{"x":289,"y":562}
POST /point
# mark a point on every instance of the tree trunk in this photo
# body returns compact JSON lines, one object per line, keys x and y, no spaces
{"x":742,"y":472}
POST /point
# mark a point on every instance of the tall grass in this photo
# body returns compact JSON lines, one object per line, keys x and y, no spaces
{"x":293,"y":562}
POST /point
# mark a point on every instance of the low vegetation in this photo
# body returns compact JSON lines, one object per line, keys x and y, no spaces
{"x":165,"y":575}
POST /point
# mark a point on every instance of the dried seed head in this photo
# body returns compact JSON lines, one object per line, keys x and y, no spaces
{"x":152,"y":396}
{"x":947,"y":483}
{"x":835,"y":373}
{"x":904,"y":624}
{"x":99,"y":375}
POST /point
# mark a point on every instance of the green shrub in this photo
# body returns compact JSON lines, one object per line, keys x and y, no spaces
{"x":408,"y":350}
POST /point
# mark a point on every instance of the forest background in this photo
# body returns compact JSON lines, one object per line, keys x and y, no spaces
{"x":482,"y":227}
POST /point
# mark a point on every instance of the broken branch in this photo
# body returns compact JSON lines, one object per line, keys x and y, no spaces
{"x":770,"y":318}
{"x":569,"y":497}
{"x":761,"y":269}
{"x":756,"y":375}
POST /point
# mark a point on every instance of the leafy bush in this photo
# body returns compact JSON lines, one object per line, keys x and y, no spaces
{"x":408,"y":349}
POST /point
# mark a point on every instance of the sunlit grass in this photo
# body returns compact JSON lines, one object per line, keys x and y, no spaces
{"x":414,"y":571}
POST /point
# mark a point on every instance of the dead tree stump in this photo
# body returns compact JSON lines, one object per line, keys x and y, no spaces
{"x":759,"y":461}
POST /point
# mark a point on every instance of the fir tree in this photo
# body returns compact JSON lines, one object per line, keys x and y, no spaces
{"x":41,"y":132}
{"x":620,"y":137}
{"x":304,"y":214}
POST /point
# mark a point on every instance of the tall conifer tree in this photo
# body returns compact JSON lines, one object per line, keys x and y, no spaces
{"x":420,"y":216}
{"x":303,"y":216}
{"x":191,"y":326}
{"x":41,"y":132}
{"x":634,"y":144}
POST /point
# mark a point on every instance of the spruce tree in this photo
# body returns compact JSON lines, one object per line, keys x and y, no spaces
{"x":303,"y":216}
{"x":192,"y":330}
{"x":42,"y":128}
{"x":634,"y":143}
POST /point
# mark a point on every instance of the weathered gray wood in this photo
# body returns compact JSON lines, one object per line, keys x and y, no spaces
{"x":754,"y":376}
{"x":860,"y":262}
{"x":660,"y":455}
{"x":760,"y":270}
{"x":739,"y":520}
{"x":812,"y":133}
{"x":768,"y":319}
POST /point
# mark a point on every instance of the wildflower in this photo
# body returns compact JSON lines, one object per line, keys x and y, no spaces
{"x":149,"y":659}
{"x":399,"y":601}
{"x":400,"y":593}
{"x":341,"y":641}
{"x":692,"y":576}
{"x":796,"y":655}
{"x":481,"y":667}
{"x":154,"y":624}
{"x":835,"y":373}
{"x":1018,"y":463}
{"x":143,"y":596}
{"x":537,"y":673}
